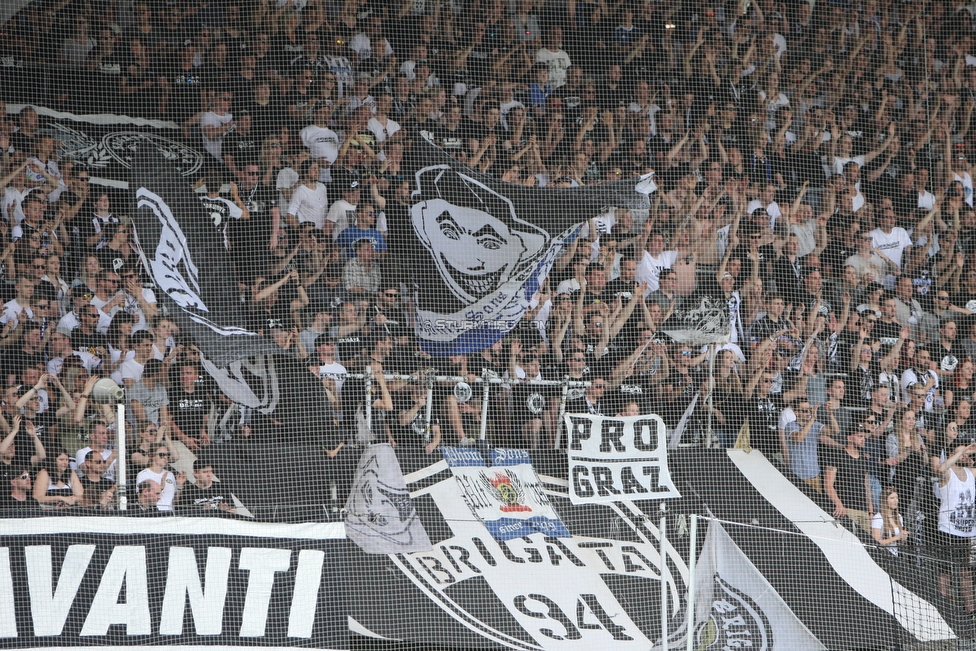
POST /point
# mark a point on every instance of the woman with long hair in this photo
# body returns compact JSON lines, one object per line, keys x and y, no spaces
{"x":57,"y":485}
{"x":118,"y":335}
{"x":52,"y":274}
{"x":887,"y":525}
{"x":907,"y":454}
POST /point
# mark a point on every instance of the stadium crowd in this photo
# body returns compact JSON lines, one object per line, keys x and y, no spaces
{"x":812,"y":168}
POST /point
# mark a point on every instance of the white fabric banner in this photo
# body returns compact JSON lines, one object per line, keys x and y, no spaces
{"x":734,"y":602}
{"x":620,"y":458}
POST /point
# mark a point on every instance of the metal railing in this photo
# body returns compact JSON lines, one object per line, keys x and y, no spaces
{"x":488,"y":379}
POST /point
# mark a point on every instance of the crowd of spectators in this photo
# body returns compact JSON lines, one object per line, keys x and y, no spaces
{"x":812,"y":169}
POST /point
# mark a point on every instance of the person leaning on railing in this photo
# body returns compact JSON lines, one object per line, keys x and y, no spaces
{"x":57,"y":486}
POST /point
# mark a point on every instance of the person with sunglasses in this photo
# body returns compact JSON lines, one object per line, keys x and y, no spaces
{"x":171,"y":483}
{"x":21,"y":491}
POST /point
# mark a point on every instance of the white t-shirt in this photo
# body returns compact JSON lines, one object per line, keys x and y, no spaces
{"x":649,"y":269}
{"x":361,"y":45}
{"x":840,"y":162}
{"x":167,"y":480}
{"x":12,"y":204}
{"x":211,"y":119}
{"x":967,"y":184}
{"x":133,"y":307}
{"x":286,"y":180}
{"x":334,"y":370}
{"x":321,"y":142}
{"x":772,"y":210}
{"x":926,"y":200}
{"x":382,"y":133}
{"x":310,"y":205}
{"x":891,"y":244}
{"x":877,"y":522}
{"x":130,"y":369}
{"x":342,"y":214}
{"x":557,"y":62}
{"x":12,"y":311}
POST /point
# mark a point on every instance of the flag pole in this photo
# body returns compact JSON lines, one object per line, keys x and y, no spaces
{"x":711,"y":390}
{"x":664,"y":586}
{"x":692,"y":550}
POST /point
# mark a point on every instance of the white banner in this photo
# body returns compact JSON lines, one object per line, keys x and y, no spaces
{"x":507,"y":496}
{"x":734,"y":602}
{"x":615,"y":459}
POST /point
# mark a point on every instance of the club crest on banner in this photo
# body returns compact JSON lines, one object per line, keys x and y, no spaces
{"x":117,"y":148}
{"x":507,"y":497}
{"x":538,"y":592}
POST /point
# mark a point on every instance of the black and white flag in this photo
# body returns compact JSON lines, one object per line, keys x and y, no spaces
{"x":735,"y":602}
{"x":484,"y":246}
{"x":702,"y":320}
{"x":188,"y":264}
{"x":380,"y":517}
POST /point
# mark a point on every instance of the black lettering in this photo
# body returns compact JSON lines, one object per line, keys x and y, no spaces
{"x":483,"y":550}
{"x":435,"y":567}
{"x":579,"y":432}
{"x":630,"y":566}
{"x":616,"y":630}
{"x":554,"y":556}
{"x":567,"y":552}
{"x":645,"y":435}
{"x":464,"y":556}
{"x":553,"y":611}
{"x":629,"y":483}
{"x":654,"y":473}
{"x":534,"y":555}
{"x":598,"y":546}
{"x":581,"y":617}
{"x":583,"y":487}
{"x":603,"y":478}
{"x":611,"y":432}
{"x":508,"y":552}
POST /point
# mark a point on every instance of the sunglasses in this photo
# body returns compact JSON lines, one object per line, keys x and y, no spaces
{"x":162,"y":454}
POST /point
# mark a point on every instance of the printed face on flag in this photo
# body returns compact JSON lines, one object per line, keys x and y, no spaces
{"x":473,"y":234}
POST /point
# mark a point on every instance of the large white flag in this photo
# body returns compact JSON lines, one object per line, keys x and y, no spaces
{"x":734,"y":603}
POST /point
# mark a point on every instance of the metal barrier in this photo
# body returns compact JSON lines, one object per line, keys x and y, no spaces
{"x":487,"y":379}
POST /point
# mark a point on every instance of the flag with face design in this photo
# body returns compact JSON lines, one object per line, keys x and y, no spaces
{"x":484,"y":247}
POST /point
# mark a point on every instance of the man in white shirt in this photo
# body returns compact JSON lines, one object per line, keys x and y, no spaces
{"x":325,"y":365}
{"x":309,"y":200}
{"x":554,"y":57}
{"x":655,"y":258}
{"x":215,"y":124}
{"x":890,"y":239}
{"x":766,"y":201}
{"x":320,"y":140}
{"x":19,"y":308}
{"x":130,"y":371}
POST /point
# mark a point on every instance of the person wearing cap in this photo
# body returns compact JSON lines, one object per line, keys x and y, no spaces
{"x":81,"y":296}
{"x":342,"y":212}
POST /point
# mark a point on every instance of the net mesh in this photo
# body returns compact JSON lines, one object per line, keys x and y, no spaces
{"x":487,"y":324}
